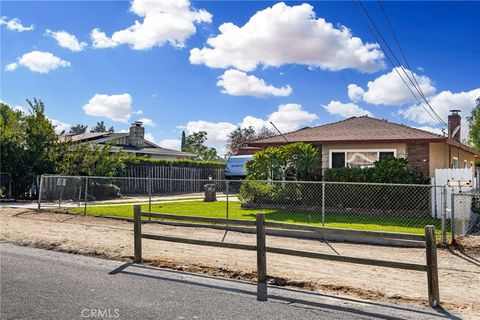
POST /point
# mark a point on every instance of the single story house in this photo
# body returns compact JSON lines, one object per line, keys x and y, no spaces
{"x":133,"y":142}
{"x":360,"y":141}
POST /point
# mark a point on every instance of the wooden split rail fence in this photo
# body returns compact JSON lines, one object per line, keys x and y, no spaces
{"x":260,"y":224}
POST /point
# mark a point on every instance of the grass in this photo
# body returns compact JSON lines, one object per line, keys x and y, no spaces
{"x":218,"y":210}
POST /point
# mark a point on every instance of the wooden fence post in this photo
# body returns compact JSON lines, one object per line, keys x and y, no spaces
{"x":432,"y":267}
{"x":137,"y":233}
{"x":261,"y":259}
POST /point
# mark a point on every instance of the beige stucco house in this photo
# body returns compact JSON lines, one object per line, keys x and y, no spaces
{"x":360,"y":141}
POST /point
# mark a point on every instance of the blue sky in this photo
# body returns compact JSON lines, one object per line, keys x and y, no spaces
{"x":295,"y":63}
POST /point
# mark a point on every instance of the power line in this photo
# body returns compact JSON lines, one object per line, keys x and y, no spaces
{"x":403,"y":54}
{"x":390,"y":60}
{"x":437,"y":117}
{"x":430,"y":111}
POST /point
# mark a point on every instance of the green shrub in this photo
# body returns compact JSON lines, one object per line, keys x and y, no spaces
{"x":294,"y":161}
{"x":259,"y":192}
{"x":104,"y":191}
{"x":386,"y":170}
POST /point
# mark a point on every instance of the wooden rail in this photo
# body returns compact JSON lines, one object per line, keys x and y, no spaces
{"x":430,"y":243}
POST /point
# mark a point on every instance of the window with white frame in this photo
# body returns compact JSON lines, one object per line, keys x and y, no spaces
{"x":358,"y":158}
{"x":454,"y":162}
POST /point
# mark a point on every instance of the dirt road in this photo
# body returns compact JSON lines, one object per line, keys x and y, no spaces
{"x":459,"y":273}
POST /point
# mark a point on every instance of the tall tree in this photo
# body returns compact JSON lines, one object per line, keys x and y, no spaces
{"x":240,"y":137}
{"x":474,"y":122}
{"x":184,"y":141}
{"x":40,"y":140}
{"x":78,"y":129}
{"x":195,"y":143}
{"x":12,"y":149}
{"x":100,"y":127}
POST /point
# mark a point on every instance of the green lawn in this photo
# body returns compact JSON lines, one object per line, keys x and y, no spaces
{"x":218,"y":209}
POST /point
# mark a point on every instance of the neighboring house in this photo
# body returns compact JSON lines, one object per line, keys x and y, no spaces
{"x":133,"y":142}
{"x":360,"y":141}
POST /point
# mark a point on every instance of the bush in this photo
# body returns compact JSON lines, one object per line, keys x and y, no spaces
{"x":259,"y":192}
{"x":102,"y":191}
{"x":294,"y":161}
{"x":386,"y":170}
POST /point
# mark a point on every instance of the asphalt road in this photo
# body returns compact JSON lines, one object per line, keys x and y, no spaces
{"x":40,"y":284}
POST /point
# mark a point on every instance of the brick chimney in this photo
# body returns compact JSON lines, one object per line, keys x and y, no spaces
{"x":137,"y":135}
{"x":454,"y":120}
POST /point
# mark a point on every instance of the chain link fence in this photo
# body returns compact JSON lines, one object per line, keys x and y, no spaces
{"x":363,"y":206}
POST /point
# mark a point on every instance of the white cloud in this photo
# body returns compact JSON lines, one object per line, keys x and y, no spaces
{"x":38,"y":61}
{"x":66,"y":40}
{"x":11,"y":66}
{"x":174,"y":144}
{"x":238,"y":83}
{"x":346,"y":110}
{"x":15,"y":24}
{"x":442,"y":104}
{"x":20,"y":108}
{"x":171,"y":21}
{"x":117,"y":107}
{"x":217,"y":132}
{"x":148,"y":122}
{"x":389,"y":89}
{"x":149,"y":137}
{"x":355,"y":93}
{"x":100,"y":40}
{"x":288,"y":117}
{"x":281,"y":35}
{"x":60,"y":126}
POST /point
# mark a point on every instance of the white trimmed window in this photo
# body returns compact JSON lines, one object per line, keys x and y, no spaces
{"x":358,"y":158}
{"x":454,"y":162}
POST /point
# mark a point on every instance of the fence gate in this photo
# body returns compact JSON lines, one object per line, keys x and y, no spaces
{"x":455,"y":181}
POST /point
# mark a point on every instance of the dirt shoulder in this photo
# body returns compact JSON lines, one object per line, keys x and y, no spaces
{"x":459,"y":271}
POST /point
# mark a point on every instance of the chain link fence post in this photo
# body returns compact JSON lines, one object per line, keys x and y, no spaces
{"x":452,"y":217}
{"x":40,"y":193}
{"x":86,"y":196}
{"x":227,"y":183}
{"x":444,"y":215}
{"x":323,"y":203}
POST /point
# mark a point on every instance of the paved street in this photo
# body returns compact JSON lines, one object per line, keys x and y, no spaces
{"x":40,"y":284}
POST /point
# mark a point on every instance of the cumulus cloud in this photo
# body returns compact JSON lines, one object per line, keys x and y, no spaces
{"x":117,"y":107}
{"x":60,"y":126}
{"x":355,"y":93}
{"x":174,"y":144}
{"x":15,"y":24}
{"x":443,"y":103}
{"x":38,"y":61}
{"x":281,"y":35}
{"x":346,"y":110}
{"x":66,"y":40}
{"x":389,"y":89}
{"x":148,"y":122}
{"x":288,"y":117}
{"x":238,"y":83}
{"x":100,"y":40}
{"x":171,"y":21}
{"x":150,"y":137}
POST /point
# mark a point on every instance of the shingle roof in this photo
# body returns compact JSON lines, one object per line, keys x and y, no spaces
{"x":83,"y":137}
{"x":353,"y":129}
